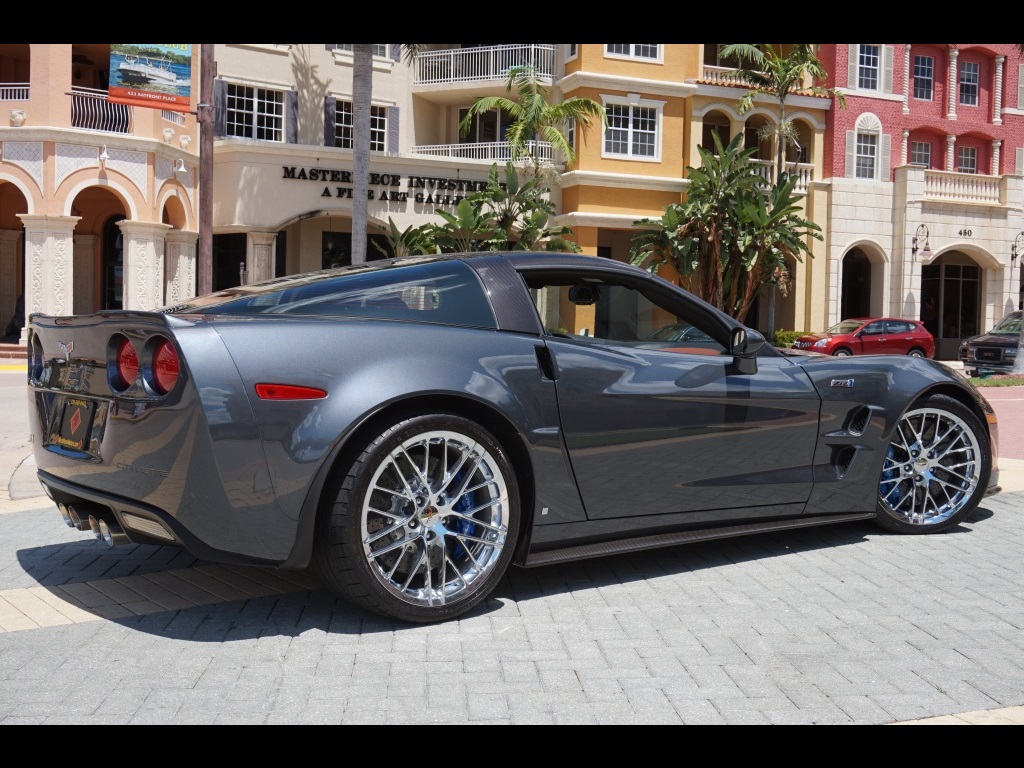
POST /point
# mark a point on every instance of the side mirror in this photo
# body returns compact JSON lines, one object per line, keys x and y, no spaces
{"x":744,"y":346}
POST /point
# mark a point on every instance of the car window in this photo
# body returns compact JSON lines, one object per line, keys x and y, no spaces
{"x":446,"y":292}
{"x":875,"y":328}
{"x":898,"y":326}
{"x":602,"y":311}
{"x":1009,"y":324}
{"x":846,"y":326}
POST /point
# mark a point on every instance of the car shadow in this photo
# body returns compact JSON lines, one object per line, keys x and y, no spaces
{"x":107,"y":583}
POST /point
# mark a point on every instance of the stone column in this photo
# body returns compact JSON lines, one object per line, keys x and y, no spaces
{"x":259,"y":256}
{"x":143,"y":264}
{"x":49,"y":267}
{"x":906,"y":81}
{"x":180,"y":266}
{"x":903,"y":147}
{"x":85,"y":255}
{"x":10,"y":258}
{"x":951,"y":153}
{"x":996,"y":146}
{"x":951,"y":90}
{"x":997,"y":92}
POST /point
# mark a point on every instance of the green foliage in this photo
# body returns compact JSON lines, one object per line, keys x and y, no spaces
{"x":413,"y":241}
{"x":533,"y":118}
{"x":732,"y":235}
{"x":784,"y":338}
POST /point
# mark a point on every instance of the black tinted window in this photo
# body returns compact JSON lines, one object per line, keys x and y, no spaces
{"x":445,"y":292}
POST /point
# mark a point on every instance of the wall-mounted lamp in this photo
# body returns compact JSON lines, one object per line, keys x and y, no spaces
{"x":179,"y":167}
{"x":922,"y":232}
{"x":1015,"y":249}
{"x":104,"y":157}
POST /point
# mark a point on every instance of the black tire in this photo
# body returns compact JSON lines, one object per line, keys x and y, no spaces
{"x":842,"y":352}
{"x":936,"y":469}
{"x":916,"y":352}
{"x":422,"y":525}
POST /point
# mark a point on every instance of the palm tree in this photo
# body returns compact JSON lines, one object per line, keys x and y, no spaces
{"x":533,"y":117}
{"x":772,"y":74}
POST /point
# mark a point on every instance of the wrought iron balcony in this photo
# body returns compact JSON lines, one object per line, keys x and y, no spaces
{"x":14,"y":91}
{"x":490,"y":62}
{"x":490,"y":151}
{"x":91,"y":110}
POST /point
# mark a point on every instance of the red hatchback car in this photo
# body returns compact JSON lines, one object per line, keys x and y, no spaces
{"x":871,"y":336}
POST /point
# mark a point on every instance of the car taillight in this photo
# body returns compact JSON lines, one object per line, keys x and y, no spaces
{"x":165,"y":367}
{"x":127,"y":363}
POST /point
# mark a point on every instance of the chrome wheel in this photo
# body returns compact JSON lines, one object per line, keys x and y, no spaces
{"x":934,"y":467}
{"x":436,"y":519}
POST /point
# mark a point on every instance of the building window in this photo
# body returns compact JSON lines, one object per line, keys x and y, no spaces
{"x":632,"y":131}
{"x":967,"y":159}
{"x":344,"y":132}
{"x":255,"y":113}
{"x":969,"y":83}
{"x":378,"y":50}
{"x":924,"y":77}
{"x":631,"y":51}
{"x":868,"y":67}
{"x":867,"y":155}
{"x":921,"y":154}
{"x":571,"y":51}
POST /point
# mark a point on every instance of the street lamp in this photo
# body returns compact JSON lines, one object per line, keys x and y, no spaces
{"x":1015,"y":249}
{"x":922,"y":232}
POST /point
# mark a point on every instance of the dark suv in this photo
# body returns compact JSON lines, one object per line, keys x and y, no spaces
{"x":992,"y":352}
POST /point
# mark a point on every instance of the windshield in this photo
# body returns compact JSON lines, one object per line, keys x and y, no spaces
{"x":846,"y":326}
{"x":1009,"y":324}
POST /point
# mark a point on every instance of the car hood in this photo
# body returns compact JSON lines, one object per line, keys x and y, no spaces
{"x":814,"y":336}
{"x":995,"y":339}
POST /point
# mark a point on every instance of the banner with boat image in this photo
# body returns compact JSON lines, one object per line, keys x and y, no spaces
{"x":158,"y":76}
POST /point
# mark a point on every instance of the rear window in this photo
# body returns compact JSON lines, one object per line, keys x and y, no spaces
{"x":443,"y":292}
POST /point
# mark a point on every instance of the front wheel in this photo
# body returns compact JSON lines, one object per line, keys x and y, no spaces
{"x":841,"y":353}
{"x":916,"y":352}
{"x":422,"y":525}
{"x":936,"y":469}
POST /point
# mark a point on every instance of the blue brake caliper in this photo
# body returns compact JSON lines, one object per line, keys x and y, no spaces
{"x":462,"y":525}
{"x":888,"y":479}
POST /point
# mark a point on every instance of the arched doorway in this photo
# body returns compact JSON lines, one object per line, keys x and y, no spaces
{"x":855,"y":294}
{"x":951,"y":297}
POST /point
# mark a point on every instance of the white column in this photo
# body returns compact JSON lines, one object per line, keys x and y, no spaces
{"x":180,"y":266}
{"x":85,"y":256}
{"x":10,"y":258}
{"x":49,"y":268}
{"x":259,"y":256}
{"x":951,"y":89}
{"x":996,"y":145}
{"x":906,"y":81}
{"x":903,"y":147}
{"x":950,"y":156}
{"x":997,"y":102}
{"x":143,"y":264}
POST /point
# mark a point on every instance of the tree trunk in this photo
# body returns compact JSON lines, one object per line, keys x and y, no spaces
{"x":362,"y":93}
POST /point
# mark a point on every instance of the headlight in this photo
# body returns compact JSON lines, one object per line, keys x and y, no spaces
{"x":822,"y":342}
{"x":1010,"y":352}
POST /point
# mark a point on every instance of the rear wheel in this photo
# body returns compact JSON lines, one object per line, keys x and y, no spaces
{"x":841,"y":352}
{"x":422,"y":525}
{"x":916,"y":352}
{"x":936,"y":469}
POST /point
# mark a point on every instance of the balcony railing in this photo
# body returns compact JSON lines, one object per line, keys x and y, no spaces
{"x":723,"y":75}
{"x":963,"y":187}
{"x":13,"y":91}
{"x":803,"y":172}
{"x":91,"y":110}
{"x":492,"y":151}
{"x":490,"y":62}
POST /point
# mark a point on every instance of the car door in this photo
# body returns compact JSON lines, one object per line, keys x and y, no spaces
{"x":663,"y":427}
{"x":873,"y":339}
{"x":901,"y":337}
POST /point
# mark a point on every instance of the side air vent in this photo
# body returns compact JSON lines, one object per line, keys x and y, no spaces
{"x":857,"y":422}
{"x":842,"y":459}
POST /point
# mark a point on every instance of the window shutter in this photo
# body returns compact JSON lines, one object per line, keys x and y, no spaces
{"x":851,"y":73}
{"x":1020,"y":161}
{"x":396,"y":51}
{"x":885,"y":151}
{"x":851,"y":159}
{"x":886,"y":69}
{"x":393,"y":129}
{"x":220,"y":112}
{"x":291,"y":117}
{"x":330,"y":116}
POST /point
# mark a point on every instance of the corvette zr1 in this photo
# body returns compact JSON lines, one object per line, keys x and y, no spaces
{"x":410,"y":428}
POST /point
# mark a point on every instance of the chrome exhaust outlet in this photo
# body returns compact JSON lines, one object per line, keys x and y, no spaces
{"x":111,"y":533}
{"x":65,"y":514}
{"x":79,"y":518}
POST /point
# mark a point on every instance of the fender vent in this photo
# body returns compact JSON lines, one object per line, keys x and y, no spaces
{"x":842,"y":459}
{"x":858,"y":420}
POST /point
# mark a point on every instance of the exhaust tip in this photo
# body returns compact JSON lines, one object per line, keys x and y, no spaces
{"x":94,"y":525}
{"x":111,"y":534}
{"x":65,"y":514}
{"x":77,"y":521}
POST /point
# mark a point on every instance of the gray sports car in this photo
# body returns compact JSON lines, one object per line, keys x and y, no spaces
{"x":412,"y":427}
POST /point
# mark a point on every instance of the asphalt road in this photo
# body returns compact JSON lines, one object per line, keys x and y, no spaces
{"x":843,"y":624}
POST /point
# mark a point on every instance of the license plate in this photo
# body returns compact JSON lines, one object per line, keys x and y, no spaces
{"x":75,"y":424}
